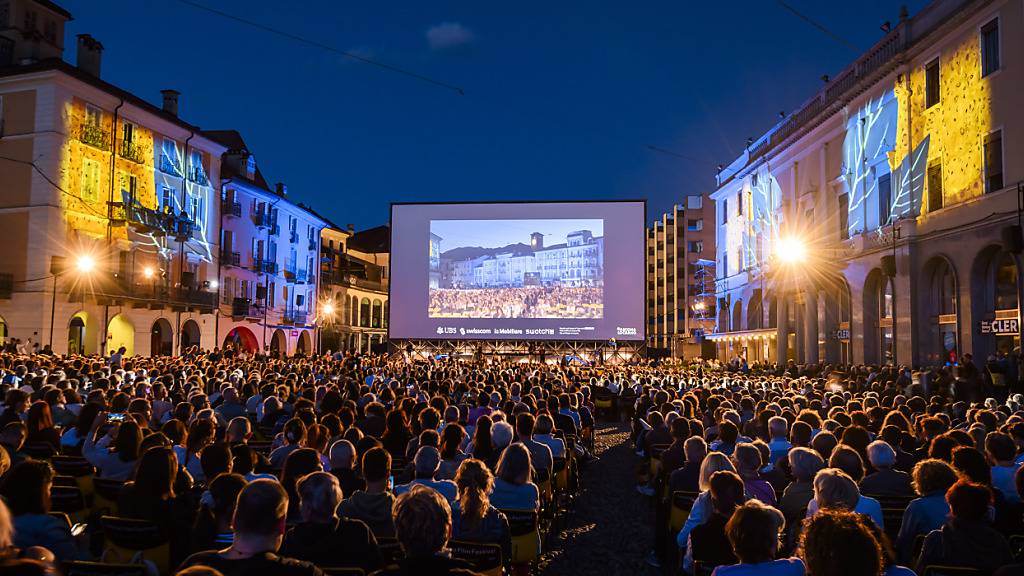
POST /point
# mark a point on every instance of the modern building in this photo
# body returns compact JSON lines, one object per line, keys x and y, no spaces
{"x":680,"y":279}
{"x":879,"y":221}
{"x":354,"y":278}
{"x":107,"y":205}
{"x":269,"y":258}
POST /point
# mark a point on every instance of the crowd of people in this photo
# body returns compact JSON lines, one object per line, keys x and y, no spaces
{"x":518,"y":302}
{"x":261,"y":465}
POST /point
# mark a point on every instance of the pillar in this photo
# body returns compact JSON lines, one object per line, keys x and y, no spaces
{"x":781,"y":330}
{"x":810,"y":323}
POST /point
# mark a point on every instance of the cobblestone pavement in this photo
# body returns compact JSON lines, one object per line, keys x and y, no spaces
{"x":608,"y":530}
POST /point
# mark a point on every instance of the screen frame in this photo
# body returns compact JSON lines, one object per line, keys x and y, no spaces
{"x":642,"y":338}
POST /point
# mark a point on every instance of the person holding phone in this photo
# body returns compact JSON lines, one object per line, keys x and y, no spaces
{"x":116,"y":453}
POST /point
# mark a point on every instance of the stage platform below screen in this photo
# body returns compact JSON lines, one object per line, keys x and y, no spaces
{"x":550,"y":352}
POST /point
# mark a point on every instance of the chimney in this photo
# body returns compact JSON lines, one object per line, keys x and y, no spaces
{"x":351,"y":228}
{"x":90,"y":52}
{"x":171,"y":101}
{"x":282,"y":190}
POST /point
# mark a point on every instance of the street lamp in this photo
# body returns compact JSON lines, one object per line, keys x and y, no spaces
{"x":327,"y":312}
{"x":791,"y":250}
{"x":84,"y":264}
{"x":148,"y":272}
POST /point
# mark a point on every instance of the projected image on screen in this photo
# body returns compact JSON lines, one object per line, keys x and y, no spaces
{"x":538,"y":268}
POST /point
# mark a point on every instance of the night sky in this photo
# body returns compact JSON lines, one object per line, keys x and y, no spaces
{"x":562,"y":99}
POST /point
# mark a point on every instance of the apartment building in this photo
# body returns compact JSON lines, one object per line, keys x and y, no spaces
{"x":354,"y":279}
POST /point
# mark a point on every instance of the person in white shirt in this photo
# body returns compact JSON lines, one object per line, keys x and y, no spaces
{"x":834,"y":488}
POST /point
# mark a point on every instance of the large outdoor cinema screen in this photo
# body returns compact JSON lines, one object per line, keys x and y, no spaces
{"x":517,"y":271}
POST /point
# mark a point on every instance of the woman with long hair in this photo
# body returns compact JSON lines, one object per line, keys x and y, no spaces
{"x":40,"y":426}
{"x":212,"y":528}
{"x":299,"y":463}
{"x":514,"y":488}
{"x":26,"y":489}
{"x":201,"y":434}
{"x":452,"y":455}
{"x":473,"y":517}
{"x":74,"y":437}
{"x":397,"y":433}
{"x":482,"y":448}
{"x":116,"y":453}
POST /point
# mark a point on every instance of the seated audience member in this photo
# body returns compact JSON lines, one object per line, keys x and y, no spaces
{"x":293,"y":436}
{"x":116,"y":454}
{"x":702,"y":510}
{"x":542,"y":432}
{"x":474,"y":519}
{"x":26,"y":489}
{"x":932,"y":478}
{"x":452,"y":438}
{"x":513,"y":488}
{"x":1001,"y":452}
{"x":212,"y":528}
{"x":426,"y":463}
{"x":966,"y":538}
{"x":151,"y":497}
{"x":804,"y":464}
{"x":373,"y":505}
{"x":423,"y":523}
{"x":885,"y":481}
{"x":747,"y":459}
{"x":322,"y":537}
{"x":41,"y":430}
{"x":343,"y":466}
{"x":753,"y":532}
{"x":540,"y":454}
{"x":709,"y":544}
{"x":778,"y":431}
{"x":834,"y":488}
{"x":297,"y":464}
{"x":259,"y":527}
{"x":839,"y":542}
{"x":686,"y":478}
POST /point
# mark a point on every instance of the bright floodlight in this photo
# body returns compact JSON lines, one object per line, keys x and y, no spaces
{"x":148,"y":272}
{"x":85,"y":264}
{"x":328,"y":309}
{"x":791,"y":250}
{"x":214,"y":284}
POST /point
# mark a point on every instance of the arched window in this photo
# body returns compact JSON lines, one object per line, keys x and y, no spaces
{"x":1006,"y":282}
{"x":378,"y":312}
{"x":945,"y":287}
{"x":387,"y":312}
{"x":885,"y":315}
{"x":364,"y":312}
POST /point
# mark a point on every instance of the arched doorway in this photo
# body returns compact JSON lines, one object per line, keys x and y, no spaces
{"x":878,"y":318}
{"x":755,"y":314}
{"x":942,"y":343}
{"x":161,"y":341}
{"x":279,"y":342}
{"x":241,"y":338}
{"x":190,"y":335}
{"x":121,"y":333}
{"x":994,"y":298}
{"x":76,"y":333}
{"x":3,"y":331}
{"x":305,"y":343}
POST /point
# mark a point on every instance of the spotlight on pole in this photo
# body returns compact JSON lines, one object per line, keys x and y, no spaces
{"x":328,"y":309}
{"x":148,"y":272}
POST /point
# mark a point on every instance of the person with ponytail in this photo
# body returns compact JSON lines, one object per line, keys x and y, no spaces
{"x":473,"y":517}
{"x":212,"y":529}
{"x":293,"y":436}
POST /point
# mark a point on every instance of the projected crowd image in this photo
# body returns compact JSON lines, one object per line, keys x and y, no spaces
{"x":538,"y":268}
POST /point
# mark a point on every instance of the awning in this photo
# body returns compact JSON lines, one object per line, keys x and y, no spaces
{"x":743,"y":335}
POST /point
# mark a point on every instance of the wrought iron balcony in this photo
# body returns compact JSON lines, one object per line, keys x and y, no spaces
{"x":229,"y":258}
{"x":290,"y":272}
{"x":293,"y":236}
{"x":240,"y":307}
{"x":312,"y":245}
{"x":231,"y":209}
{"x":265,"y":266}
{"x":296,"y":317}
{"x":261,"y":219}
{"x":275,"y":229}
{"x":198,"y":175}
{"x":169,"y":167}
{"x":131,"y":151}
{"x":93,"y":135}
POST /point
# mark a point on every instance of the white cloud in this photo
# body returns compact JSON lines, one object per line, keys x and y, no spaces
{"x":448,"y":35}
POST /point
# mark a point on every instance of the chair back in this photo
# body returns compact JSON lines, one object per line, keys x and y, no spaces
{"x":106,"y":493}
{"x":525,"y":529}
{"x":76,"y":568}
{"x":936,"y":570}
{"x":39,"y":450}
{"x":69,"y":500}
{"x":129,"y":540}
{"x":681,"y":504}
{"x":390,"y":550}
{"x":485,"y":558}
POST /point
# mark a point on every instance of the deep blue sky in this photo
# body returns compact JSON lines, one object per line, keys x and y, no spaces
{"x":562,"y":98}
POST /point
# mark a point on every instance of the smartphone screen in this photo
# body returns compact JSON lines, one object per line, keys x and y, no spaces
{"x":116,"y":417}
{"x":391,"y":482}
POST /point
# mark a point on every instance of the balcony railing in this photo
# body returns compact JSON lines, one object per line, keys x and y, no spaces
{"x":261,"y":219}
{"x":167,"y":166}
{"x":301,"y":276}
{"x":265,"y":266}
{"x":297,"y":317}
{"x":229,"y":258}
{"x":290,"y":272}
{"x":312,"y":245}
{"x":93,"y":136}
{"x":275,"y":230}
{"x":231,"y":209}
{"x":293,"y":236}
{"x":131,"y":151}
{"x":198,"y":175}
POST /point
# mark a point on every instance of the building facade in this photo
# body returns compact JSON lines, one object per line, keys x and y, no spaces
{"x":354,"y":279}
{"x":107,"y":206}
{"x":878,"y":222}
{"x":680,"y":279}
{"x":269,"y":259}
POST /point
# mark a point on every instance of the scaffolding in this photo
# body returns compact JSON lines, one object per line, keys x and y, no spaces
{"x":704,"y":297}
